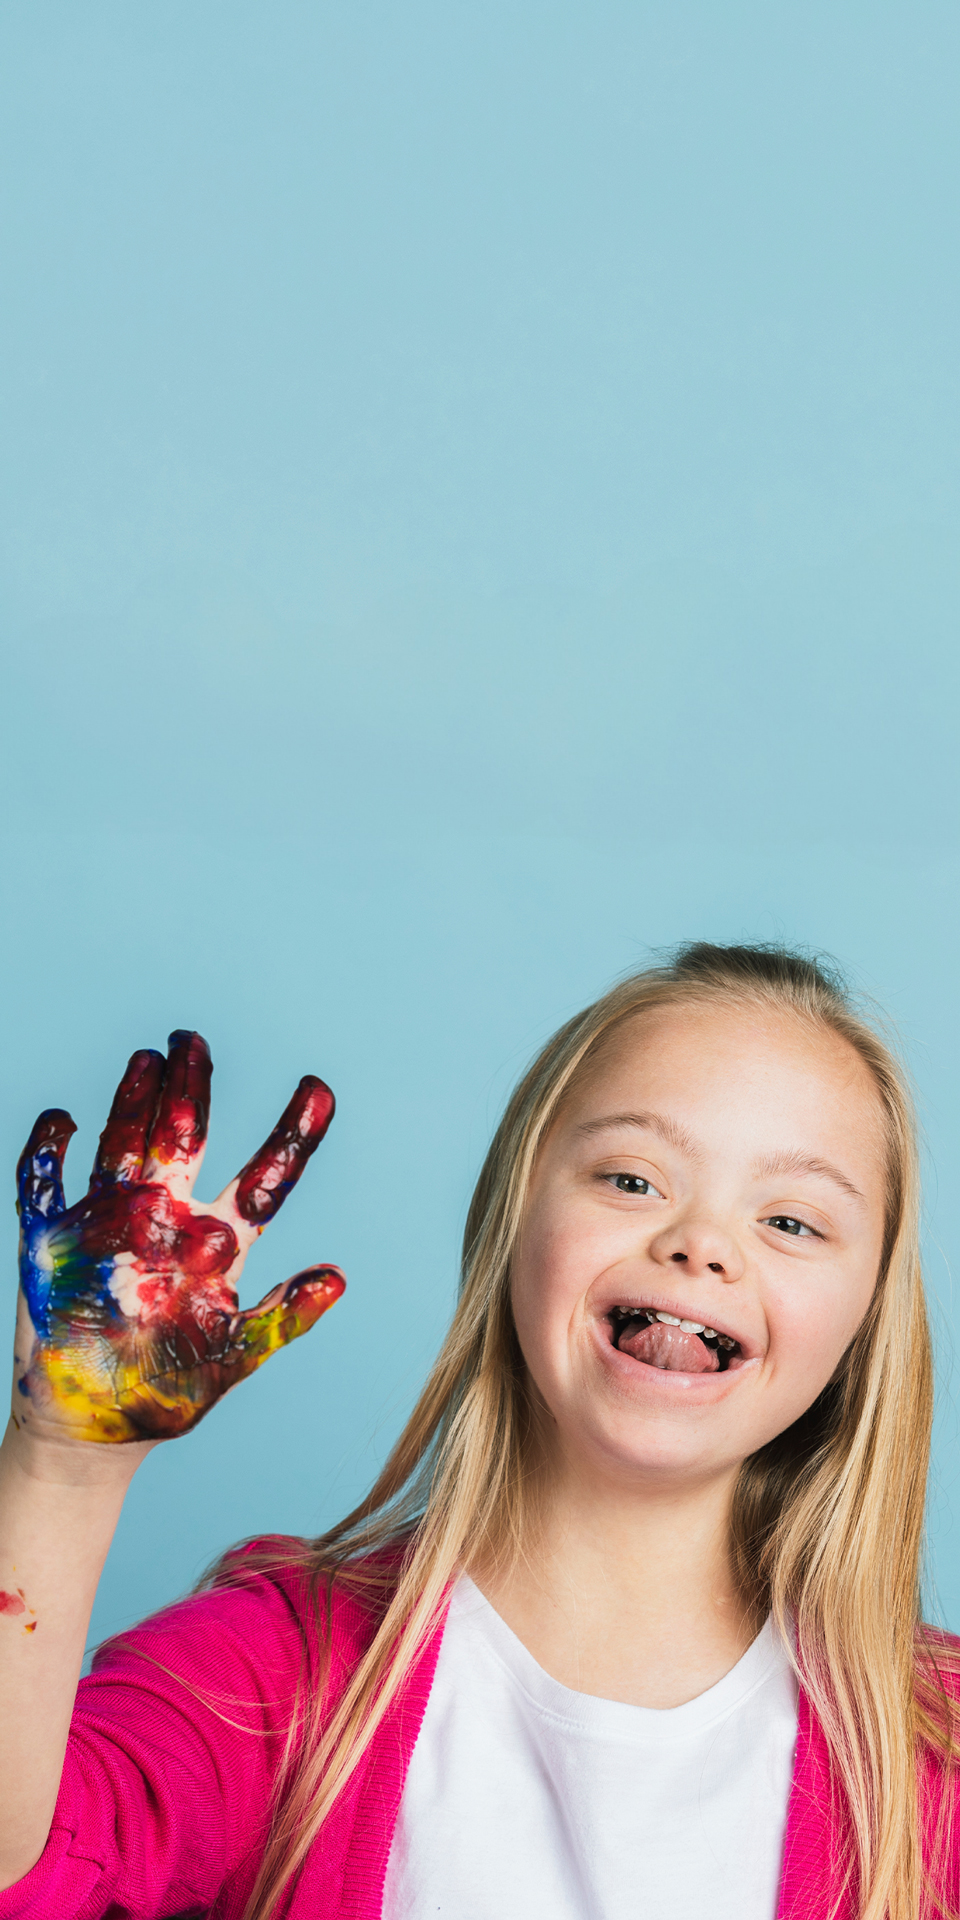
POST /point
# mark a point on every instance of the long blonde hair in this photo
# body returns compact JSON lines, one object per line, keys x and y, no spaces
{"x":827,"y":1518}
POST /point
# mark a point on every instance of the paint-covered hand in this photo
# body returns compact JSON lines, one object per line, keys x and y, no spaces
{"x":128,"y":1325}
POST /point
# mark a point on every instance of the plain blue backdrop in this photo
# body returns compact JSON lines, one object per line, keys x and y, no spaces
{"x":479,"y":501}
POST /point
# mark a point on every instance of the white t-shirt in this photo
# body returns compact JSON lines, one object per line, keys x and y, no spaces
{"x":527,"y":1801}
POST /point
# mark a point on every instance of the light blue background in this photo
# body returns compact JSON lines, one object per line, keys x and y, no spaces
{"x":479,"y":500}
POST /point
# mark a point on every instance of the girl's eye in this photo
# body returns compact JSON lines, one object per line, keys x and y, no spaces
{"x":634,"y":1183}
{"x":785,"y":1223}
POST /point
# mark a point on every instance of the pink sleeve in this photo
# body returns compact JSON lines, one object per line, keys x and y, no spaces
{"x":166,"y":1787}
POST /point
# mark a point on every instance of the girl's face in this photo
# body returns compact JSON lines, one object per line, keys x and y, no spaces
{"x":719,"y":1167}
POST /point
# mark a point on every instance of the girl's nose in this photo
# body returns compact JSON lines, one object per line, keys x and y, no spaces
{"x":699,"y":1249}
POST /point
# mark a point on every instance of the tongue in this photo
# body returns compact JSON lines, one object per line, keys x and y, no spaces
{"x":670,"y":1348}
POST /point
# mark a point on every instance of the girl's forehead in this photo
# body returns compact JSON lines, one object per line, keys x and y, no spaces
{"x":766,"y":1064}
{"x":710,"y":1030}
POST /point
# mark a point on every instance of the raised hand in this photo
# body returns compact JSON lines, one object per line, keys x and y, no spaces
{"x":128,"y":1326}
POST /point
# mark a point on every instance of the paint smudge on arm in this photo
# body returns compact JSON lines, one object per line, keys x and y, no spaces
{"x":15,"y":1605}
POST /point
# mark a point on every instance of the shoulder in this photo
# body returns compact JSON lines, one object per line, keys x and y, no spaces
{"x":267,"y":1616}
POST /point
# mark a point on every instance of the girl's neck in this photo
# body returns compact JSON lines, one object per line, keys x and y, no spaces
{"x":627,"y":1595}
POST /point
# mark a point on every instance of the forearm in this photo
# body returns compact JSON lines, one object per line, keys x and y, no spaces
{"x":59,"y":1506}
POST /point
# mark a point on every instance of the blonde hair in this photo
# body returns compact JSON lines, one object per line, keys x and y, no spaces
{"x":827,"y":1518}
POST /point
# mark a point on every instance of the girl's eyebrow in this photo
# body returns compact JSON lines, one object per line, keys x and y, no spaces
{"x":773,"y":1164}
{"x":789,"y":1161}
{"x":659,"y":1123}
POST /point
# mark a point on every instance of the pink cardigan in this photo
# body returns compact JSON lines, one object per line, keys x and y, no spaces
{"x":163,"y":1804}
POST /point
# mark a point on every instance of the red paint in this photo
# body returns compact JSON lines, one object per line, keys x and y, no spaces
{"x":11,"y":1603}
{"x":268,"y":1177}
{"x":123,"y":1141}
{"x":179,"y":1129}
{"x":180,"y":1254}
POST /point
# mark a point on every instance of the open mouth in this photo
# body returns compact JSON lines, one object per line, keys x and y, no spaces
{"x":659,"y":1339}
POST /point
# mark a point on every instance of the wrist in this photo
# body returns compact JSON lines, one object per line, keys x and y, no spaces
{"x":56,"y":1460}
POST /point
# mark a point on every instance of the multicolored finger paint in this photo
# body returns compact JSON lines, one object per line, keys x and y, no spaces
{"x":134,"y":1330}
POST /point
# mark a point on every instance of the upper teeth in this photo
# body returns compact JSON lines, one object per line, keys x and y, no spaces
{"x":689,"y":1326}
{"x":672,"y":1320}
{"x":686,"y":1326}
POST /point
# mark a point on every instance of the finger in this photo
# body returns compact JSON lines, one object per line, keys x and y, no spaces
{"x":266,"y":1180}
{"x":40,"y":1167}
{"x":123,"y":1141}
{"x":179,"y":1132}
{"x":281,"y":1316}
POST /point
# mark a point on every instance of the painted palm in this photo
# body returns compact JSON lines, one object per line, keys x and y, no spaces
{"x":129,"y":1327}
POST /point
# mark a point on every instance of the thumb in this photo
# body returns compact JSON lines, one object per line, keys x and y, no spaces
{"x":281,"y":1316}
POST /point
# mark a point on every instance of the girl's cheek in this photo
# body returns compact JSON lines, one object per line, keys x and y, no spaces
{"x":549,"y":1270}
{"x":811,"y":1339}
{"x":546,"y":1293}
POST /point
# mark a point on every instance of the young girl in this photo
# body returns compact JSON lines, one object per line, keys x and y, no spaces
{"x":628,"y":1626}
